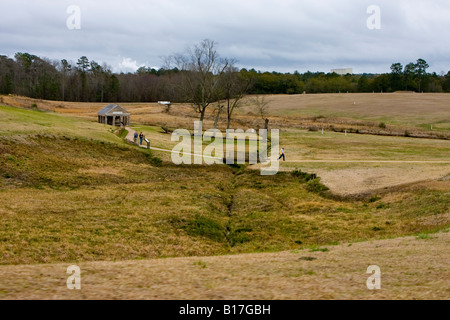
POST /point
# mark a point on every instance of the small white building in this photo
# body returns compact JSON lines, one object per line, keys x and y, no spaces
{"x":114,"y":115}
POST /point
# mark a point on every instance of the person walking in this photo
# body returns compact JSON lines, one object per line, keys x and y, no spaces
{"x":136,"y":136}
{"x":282,"y":155}
{"x":141,"y":136}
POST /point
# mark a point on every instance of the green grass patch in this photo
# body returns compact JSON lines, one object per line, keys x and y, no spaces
{"x":316,"y":186}
{"x":205,"y":227}
{"x":423,"y":236}
{"x":123,"y":133}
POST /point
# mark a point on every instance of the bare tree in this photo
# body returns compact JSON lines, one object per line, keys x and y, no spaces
{"x":202,"y":69}
{"x":234,"y":89}
{"x":262,"y":107}
{"x":219,"y":108}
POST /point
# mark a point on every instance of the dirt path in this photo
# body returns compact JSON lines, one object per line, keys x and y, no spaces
{"x":411,"y":268}
{"x":130,"y":139}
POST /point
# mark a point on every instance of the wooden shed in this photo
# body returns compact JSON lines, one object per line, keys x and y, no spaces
{"x":114,"y":115}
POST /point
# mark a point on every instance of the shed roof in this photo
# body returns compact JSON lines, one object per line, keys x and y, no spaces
{"x":113,"y":110}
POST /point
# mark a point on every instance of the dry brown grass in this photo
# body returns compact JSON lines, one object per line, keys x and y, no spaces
{"x":396,"y":108}
{"x":72,"y":199}
{"x":72,"y":191}
{"x":361,"y":180}
{"x":411,"y":268}
{"x":401,"y":112}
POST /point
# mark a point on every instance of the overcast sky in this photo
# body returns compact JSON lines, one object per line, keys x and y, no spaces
{"x":268,"y":35}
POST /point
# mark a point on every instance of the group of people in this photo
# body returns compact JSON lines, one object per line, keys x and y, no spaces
{"x":140,"y":136}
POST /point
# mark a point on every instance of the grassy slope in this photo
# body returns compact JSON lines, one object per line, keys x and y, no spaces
{"x":72,"y":191}
{"x":411,"y":268}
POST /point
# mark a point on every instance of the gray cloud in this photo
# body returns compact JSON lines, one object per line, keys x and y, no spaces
{"x":273,"y":35}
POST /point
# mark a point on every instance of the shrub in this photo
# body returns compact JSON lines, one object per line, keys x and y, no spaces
{"x":239,"y":236}
{"x":316,"y":186}
{"x":304,"y":176}
{"x":205,"y":227}
{"x":382,"y":125}
{"x":381,"y":206}
{"x":238,"y":168}
{"x":154,"y":161}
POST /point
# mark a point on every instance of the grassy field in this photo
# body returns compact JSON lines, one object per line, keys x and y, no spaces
{"x":411,"y":268}
{"x":397,"y":109}
{"x":72,"y":191}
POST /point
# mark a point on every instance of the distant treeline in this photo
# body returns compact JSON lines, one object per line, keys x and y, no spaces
{"x":41,"y":78}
